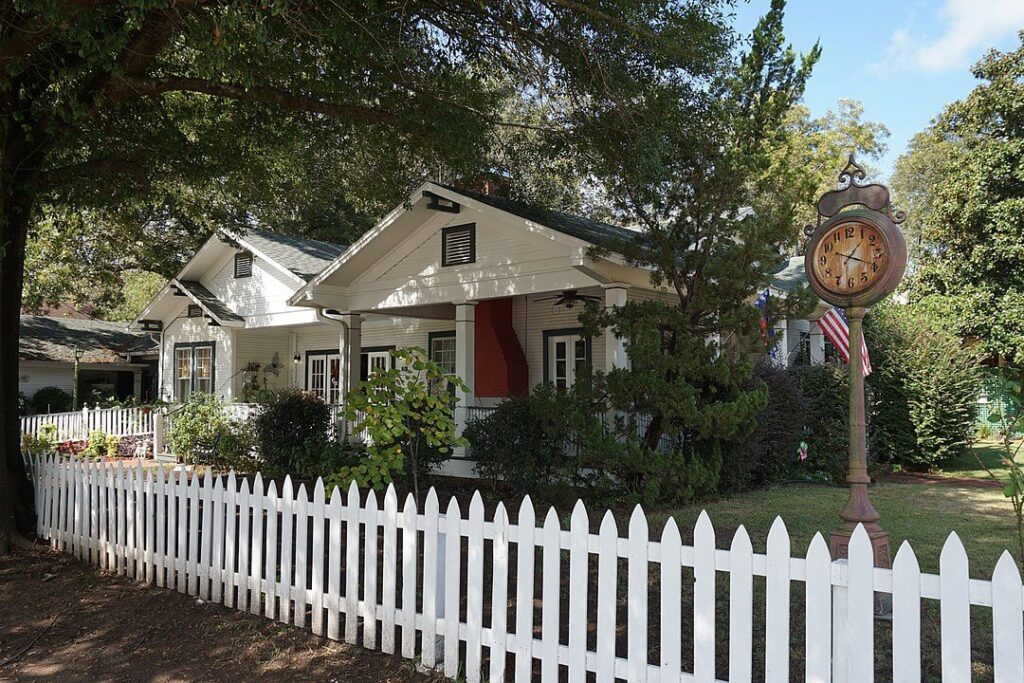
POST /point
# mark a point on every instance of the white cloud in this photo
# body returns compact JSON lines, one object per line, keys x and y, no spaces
{"x":968,"y":29}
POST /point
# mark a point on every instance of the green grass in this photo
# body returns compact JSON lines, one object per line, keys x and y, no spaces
{"x":923,"y":514}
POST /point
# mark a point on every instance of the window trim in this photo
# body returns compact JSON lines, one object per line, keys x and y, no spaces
{"x":465,"y":227}
{"x":442,"y":334}
{"x":326,"y":353}
{"x":239,"y":255}
{"x":192,"y":346}
{"x":562,"y":332}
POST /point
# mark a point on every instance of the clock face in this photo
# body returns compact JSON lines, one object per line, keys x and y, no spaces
{"x":850,"y":258}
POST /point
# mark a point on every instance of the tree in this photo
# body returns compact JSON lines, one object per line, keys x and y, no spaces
{"x":813,"y":150}
{"x":918,"y":171}
{"x":125,"y":108}
{"x":973,"y":232}
{"x":690,"y":163}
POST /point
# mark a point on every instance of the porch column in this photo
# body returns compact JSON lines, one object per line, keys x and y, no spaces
{"x":614,"y":347}
{"x":817,"y":344}
{"x":350,"y":348}
{"x":465,"y":363}
{"x":137,"y":383}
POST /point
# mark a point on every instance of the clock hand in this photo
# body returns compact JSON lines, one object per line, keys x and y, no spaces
{"x":850,"y":256}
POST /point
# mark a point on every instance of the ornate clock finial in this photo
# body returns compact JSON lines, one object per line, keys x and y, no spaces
{"x":852,"y":174}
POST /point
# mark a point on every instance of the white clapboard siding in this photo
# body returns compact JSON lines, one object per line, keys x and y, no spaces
{"x":317,"y":559}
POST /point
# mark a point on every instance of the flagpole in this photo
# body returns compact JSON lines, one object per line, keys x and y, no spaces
{"x":858,"y":508}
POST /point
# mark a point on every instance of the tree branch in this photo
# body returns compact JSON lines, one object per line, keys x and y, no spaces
{"x":128,"y":87}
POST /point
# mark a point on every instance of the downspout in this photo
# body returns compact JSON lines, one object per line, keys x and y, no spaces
{"x":326,"y":315}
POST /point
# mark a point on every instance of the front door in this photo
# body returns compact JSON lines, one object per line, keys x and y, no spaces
{"x":323,"y":376}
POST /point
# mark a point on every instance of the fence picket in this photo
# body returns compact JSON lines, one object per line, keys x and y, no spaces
{"x":607,"y":580}
{"x":525,"y":559}
{"x":317,"y":559}
{"x":637,"y":596}
{"x":372,"y":518}
{"x":499,"y":597}
{"x":245,"y":543}
{"x":254,"y":579}
{"x":301,"y":555}
{"x":704,"y":600}
{"x":286,"y":534}
{"x":230,"y":538}
{"x":387,"y":612}
{"x":269,"y":583}
{"x":430,"y":579}
{"x":550,"y":602}
{"x":334,"y":513}
{"x":452,"y":586}
{"x":955,"y":611}
{"x":352,"y":564}
{"x":1007,"y":623}
{"x":776,"y":641}
{"x":219,"y":537}
{"x":579,"y":533}
{"x":671,"y":609}
{"x":741,"y":606}
{"x":906,"y":617}
{"x":818,"y":621}
{"x":409,"y":556}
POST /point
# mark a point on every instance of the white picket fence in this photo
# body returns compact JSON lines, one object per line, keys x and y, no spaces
{"x":347,"y":566}
{"x":77,"y":425}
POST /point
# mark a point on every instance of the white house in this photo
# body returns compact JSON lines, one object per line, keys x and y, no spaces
{"x":490,"y":287}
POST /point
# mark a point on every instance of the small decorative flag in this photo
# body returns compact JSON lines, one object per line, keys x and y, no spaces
{"x":802,"y":451}
{"x":767,"y":329}
{"x":835,"y":327}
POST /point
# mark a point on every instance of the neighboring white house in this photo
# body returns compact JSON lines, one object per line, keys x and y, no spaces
{"x":490,"y":287}
{"x":112,"y":361}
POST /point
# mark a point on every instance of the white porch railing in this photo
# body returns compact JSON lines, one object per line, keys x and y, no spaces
{"x":76,"y":426}
{"x":318,"y":561}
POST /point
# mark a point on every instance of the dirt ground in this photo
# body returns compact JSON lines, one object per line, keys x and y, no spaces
{"x":61,"y":620}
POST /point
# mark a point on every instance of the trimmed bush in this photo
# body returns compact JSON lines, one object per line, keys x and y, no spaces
{"x":287,"y":421}
{"x":199,"y":423}
{"x":924,"y":388}
{"x":50,"y":400}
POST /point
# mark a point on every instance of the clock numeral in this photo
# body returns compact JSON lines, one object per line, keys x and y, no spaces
{"x":837,"y":237}
{"x":839,"y":279}
{"x":849,"y":233}
{"x":823,"y":259}
{"x":871,"y":239}
{"x":828,"y":247}
{"x":863,"y":276}
{"x":874,"y":267}
{"x":850,"y":283}
{"x":828,"y":272}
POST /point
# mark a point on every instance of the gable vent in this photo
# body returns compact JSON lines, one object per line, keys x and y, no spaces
{"x":195,"y":311}
{"x":458,"y":245}
{"x":243,"y":264}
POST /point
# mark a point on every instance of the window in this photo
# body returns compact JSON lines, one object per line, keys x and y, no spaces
{"x":442,"y":350}
{"x":323,"y":375}
{"x":195,"y":311}
{"x":566,"y":352}
{"x":375,"y":358}
{"x":243,"y":264}
{"x":193,"y":369}
{"x":458,"y":245}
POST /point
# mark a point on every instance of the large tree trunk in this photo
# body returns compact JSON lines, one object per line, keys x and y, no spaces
{"x":19,"y":165}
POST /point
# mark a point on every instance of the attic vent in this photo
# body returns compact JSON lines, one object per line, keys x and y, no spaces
{"x":195,"y":311}
{"x":458,"y":245}
{"x":243,"y":264}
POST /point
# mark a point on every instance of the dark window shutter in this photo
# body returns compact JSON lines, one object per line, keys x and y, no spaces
{"x":195,"y":311}
{"x":243,"y":264}
{"x":458,"y":245}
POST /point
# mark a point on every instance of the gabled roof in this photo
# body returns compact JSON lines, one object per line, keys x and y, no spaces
{"x":54,"y":339}
{"x":298,"y":255}
{"x":595,"y":232}
{"x":205,"y":298}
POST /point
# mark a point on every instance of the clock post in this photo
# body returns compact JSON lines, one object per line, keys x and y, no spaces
{"x":854,"y":257}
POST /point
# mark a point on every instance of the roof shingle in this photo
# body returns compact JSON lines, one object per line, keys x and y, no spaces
{"x":301,"y":256}
{"x":101,"y":341}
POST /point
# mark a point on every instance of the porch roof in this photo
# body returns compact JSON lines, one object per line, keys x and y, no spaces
{"x":100,"y":341}
{"x":205,"y":298}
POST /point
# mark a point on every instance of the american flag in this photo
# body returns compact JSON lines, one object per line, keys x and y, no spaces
{"x":833,"y":324}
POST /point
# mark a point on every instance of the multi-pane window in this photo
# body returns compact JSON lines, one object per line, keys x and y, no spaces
{"x":442,"y":352}
{"x":323,"y":375}
{"x":374,"y":360}
{"x":567,"y":354}
{"x":458,"y":245}
{"x":193,"y":369}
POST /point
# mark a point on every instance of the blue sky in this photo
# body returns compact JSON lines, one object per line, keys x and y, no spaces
{"x":903,"y":59}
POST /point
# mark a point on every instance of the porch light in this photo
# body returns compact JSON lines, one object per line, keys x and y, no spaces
{"x":296,"y":358}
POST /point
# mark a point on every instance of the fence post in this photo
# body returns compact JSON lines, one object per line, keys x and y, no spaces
{"x":158,"y":433}
{"x":85,"y":423}
{"x":840,"y":606}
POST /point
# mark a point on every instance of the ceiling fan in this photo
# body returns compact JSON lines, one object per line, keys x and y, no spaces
{"x":568,"y":299}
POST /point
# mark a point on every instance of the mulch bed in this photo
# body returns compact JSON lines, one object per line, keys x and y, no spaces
{"x":61,"y":620}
